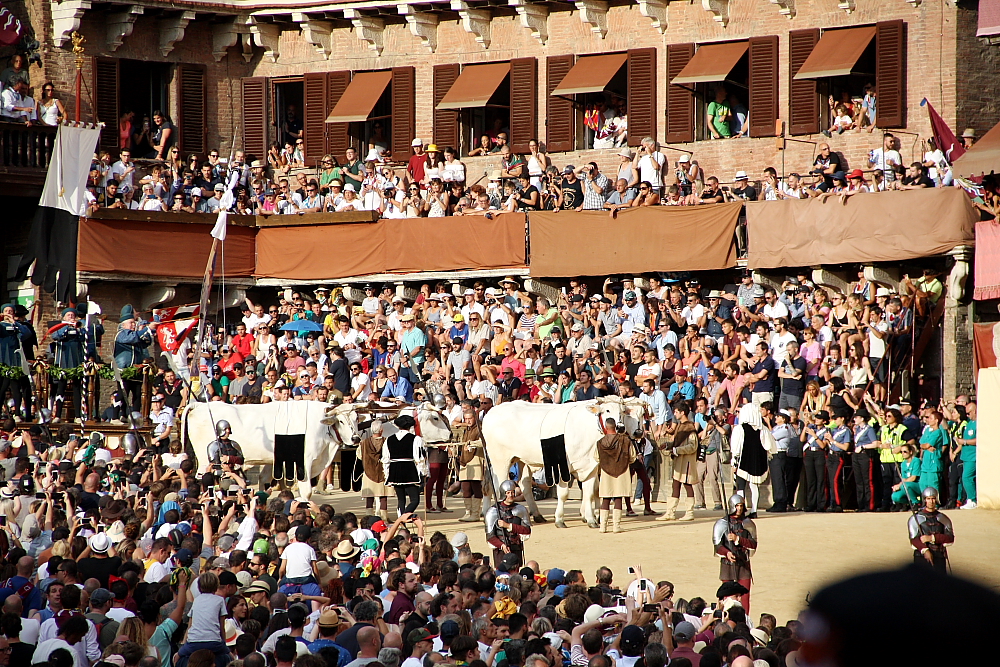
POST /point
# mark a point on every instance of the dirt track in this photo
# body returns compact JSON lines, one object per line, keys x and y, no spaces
{"x":798,"y":552}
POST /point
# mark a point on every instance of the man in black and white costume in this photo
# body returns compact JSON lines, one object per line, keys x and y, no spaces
{"x":752,"y":446}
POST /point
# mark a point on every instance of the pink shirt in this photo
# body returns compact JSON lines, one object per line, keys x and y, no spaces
{"x":515,"y":364}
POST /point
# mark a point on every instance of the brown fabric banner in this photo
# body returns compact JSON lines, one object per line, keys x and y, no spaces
{"x":454,"y":243}
{"x":883,"y":227}
{"x":656,"y":238}
{"x":320,"y":252}
{"x":160,"y":249}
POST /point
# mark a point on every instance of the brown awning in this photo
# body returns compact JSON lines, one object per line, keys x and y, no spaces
{"x":982,"y":158}
{"x":360,"y":98}
{"x":591,"y":74}
{"x":836,"y":53}
{"x":711,"y":62}
{"x":475,"y":86}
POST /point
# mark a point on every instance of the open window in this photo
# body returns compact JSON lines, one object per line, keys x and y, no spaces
{"x":602,"y":91}
{"x":734,"y":82}
{"x":120,"y":85}
{"x":366,"y":106}
{"x":475,"y":104}
{"x":843,"y":68}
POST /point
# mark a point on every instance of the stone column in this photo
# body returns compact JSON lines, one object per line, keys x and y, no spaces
{"x":956,"y":328}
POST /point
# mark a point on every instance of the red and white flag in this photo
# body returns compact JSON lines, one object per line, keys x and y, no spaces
{"x":10,"y":29}
{"x":171,"y":334}
{"x":177,"y":312}
{"x":945,"y":139}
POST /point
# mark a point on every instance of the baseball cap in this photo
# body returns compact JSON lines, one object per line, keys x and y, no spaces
{"x":219,"y":187}
{"x":349,"y":187}
{"x":578,"y":327}
{"x":556,"y":576}
{"x":458,"y":318}
{"x":417,"y":141}
{"x":568,"y":169}
{"x":684,"y":631}
{"x":684,"y":158}
{"x":227,"y":578}
{"x":629,"y":295}
{"x":423,"y":634}
{"x":261,"y":546}
{"x":449,"y":629}
{"x":195,"y":192}
{"x":101,"y":597}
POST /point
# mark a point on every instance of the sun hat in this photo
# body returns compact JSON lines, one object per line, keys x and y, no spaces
{"x":346,"y":550}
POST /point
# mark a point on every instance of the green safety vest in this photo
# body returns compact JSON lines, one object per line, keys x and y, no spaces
{"x":892,"y":435}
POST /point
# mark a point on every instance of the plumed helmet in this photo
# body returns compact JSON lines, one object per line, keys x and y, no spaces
{"x":222,"y":426}
{"x":930,"y":492}
{"x":439,"y":401}
{"x":508,"y":485}
{"x":734,"y":500}
{"x":130,"y":443}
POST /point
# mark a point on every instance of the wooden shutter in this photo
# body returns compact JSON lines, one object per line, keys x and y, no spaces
{"x":763,"y":103}
{"x":314,"y":117}
{"x":255,"y":128}
{"x":338,"y":138}
{"x":523,"y":103}
{"x":680,"y":101}
{"x":803,"y":100}
{"x":445,"y":120}
{"x":641,"y":95}
{"x":890,"y":73}
{"x":192,"y":112}
{"x":404,"y":109}
{"x":106,"y":94}
{"x":560,"y":115}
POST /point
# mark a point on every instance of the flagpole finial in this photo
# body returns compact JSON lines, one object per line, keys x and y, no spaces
{"x":78,"y":49}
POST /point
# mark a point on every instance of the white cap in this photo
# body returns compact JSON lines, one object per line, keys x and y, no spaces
{"x":684,"y":158}
{"x":349,"y":187}
{"x":417,"y":142}
{"x":459,"y":540}
{"x":882,"y":291}
{"x":195,"y":192}
{"x":362,"y":535}
{"x":469,"y":291}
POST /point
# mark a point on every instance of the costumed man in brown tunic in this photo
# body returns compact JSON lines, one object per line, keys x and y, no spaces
{"x":470,"y":462}
{"x":373,"y":482}
{"x":615,"y":455}
{"x":684,"y":451}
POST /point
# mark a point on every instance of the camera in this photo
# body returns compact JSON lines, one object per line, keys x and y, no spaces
{"x":650,"y":608}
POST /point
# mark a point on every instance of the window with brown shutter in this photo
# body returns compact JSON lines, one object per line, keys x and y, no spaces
{"x":338,"y":137}
{"x":404,"y":122}
{"x":314,"y":117}
{"x":445,"y":120}
{"x":106,"y":92}
{"x":192,"y":119}
{"x":641,"y":95}
{"x":560,"y":116}
{"x":523,"y":103}
{"x":680,"y":101}
{"x":255,"y":129}
{"x":890,"y":73}
{"x":803,"y":100}
{"x":763,"y":85}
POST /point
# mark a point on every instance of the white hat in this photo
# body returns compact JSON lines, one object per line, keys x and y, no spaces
{"x":625,"y":152}
{"x":469,"y":291}
{"x":684,"y":158}
{"x":740,"y":175}
{"x":554,"y":639}
{"x":349,"y":187}
{"x":882,"y":291}
{"x":459,"y":540}
{"x":195,"y":192}
{"x":362,"y":535}
{"x":99,"y":543}
{"x":116,"y":532}
{"x":491,"y":291}
{"x":417,"y":142}
{"x":578,"y":327}
{"x":594,"y":612}
{"x":398,"y":299}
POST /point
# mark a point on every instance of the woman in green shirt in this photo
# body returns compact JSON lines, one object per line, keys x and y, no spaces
{"x":329,"y":171}
{"x":932,"y":442}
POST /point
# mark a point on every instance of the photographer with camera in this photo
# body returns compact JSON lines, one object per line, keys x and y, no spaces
{"x":596,"y":186}
{"x":651,"y":164}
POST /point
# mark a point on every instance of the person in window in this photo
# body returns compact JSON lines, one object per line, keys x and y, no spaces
{"x":867,"y":115}
{"x":163,"y":136}
{"x":916,"y":178}
{"x":292,"y":127}
{"x":720,"y":114}
{"x":17,"y":105}
{"x":739,"y":123}
{"x":842,"y":121}
{"x":485,"y":147}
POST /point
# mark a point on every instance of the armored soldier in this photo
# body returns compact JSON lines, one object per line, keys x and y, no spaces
{"x":224,"y":450}
{"x":373,"y":479}
{"x":735,"y":540}
{"x":69,"y":341}
{"x":931,"y":533}
{"x":507,"y":524}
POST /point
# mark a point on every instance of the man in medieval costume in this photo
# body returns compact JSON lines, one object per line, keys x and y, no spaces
{"x":507,"y":524}
{"x":614,"y":454}
{"x":373,"y":478}
{"x":735,"y":539}
{"x":930,"y":533}
{"x":752,"y":446}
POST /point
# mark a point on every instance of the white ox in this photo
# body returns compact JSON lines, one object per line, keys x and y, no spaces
{"x":326,"y":428}
{"x":515,"y":430}
{"x":432,"y":424}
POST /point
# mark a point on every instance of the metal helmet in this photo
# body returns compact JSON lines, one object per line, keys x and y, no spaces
{"x":508,"y":485}
{"x":221,"y":427}
{"x":438,"y":401}
{"x":44,"y":416}
{"x":734,"y":500}
{"x":130,"y":443}
{"x":930,"y":492}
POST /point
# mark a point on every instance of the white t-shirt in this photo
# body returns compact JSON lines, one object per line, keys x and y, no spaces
{"x":299,"y":558}
{"x":45,"y":649}
{"x":651,"y":168}
{"x":474,"y":308}
{"x":777,"y":310}
{"x":156,"y":572}
{"x":692,"y":315}
{"x":778,"y":344}
{"x":412,"y":662}
{"x":825,"y":335}
{"x":884,"y":160}
{"x":876,"y":345}
{"x":252,"y":321}
{"x":352,"y":337}
{"x":119,"y":614}
{"x":940,"y":163}
{"x":362,"y":380}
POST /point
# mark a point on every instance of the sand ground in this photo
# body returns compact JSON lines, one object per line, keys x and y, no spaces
{"x":798,"y":552}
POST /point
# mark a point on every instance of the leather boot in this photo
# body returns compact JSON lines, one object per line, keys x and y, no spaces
{"x":616,"y":520}
{"x":669,"y":514}
{"x":470,"y":510}
{"x":688,"y":510}
{"x":604,"y":521}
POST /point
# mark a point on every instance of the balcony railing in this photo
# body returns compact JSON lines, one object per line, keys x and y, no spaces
{"x":25,"y":153}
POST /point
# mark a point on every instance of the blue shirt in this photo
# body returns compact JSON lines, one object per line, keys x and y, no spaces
{"x":841,"y":439}
{"x":343,"y":657}
{"x":413,"y":339}
{"x":401,"y":388}
{"x":864,"y":435}
{"x":685,"y":389}
{"x":459,"y":332}
{"x":812,"y":442}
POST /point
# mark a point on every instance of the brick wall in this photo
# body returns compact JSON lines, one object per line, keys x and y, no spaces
{"x":946,"y":63}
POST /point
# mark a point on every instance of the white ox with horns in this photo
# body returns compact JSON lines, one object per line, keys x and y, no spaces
{"x":515,"y":431}
{"x":325,"y":428}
